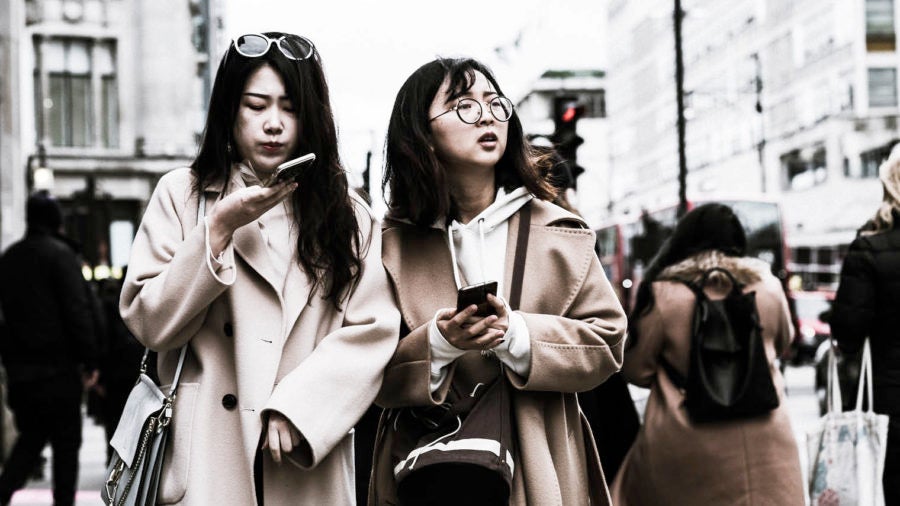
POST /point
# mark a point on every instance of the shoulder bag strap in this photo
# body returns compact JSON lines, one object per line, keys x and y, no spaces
{"x":518,"y":275}
{"x":201,"y":212}
{"x":865,"y":378}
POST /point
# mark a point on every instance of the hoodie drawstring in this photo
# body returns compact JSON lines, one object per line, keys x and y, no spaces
{"x":452,"y":246}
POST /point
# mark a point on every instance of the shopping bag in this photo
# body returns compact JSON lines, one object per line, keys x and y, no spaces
{"x":847,"y":449}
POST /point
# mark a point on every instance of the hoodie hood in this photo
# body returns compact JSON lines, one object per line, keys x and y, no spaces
{"x":478,"y":248}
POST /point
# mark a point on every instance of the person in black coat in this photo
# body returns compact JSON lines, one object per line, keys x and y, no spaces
{"x":868,"y":305}
{"x":48,"y":352}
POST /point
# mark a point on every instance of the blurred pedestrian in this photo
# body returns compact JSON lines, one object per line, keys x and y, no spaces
{"x":279,"y":293}
{"x":675,"y":460}
{"x":49,"y":350}
{"x":462,"y":181}
{"x":868,"y":305}
{"x":119,"y":359}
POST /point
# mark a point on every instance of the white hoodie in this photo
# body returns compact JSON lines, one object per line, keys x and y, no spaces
{"x":479,"y":252}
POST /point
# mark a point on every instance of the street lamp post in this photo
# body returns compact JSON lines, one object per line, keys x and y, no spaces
{"x":679,"y":100}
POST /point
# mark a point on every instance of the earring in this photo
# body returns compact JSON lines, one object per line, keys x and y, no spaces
{"x":228,"y":148}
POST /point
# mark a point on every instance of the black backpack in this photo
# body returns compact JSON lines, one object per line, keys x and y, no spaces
{"x":728,"y":376}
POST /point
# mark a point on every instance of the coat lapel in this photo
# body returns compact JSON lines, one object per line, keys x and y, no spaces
{"x":565,"y":253}
{"x":419,"y":264}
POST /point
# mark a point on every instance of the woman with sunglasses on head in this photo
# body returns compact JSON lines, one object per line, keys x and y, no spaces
{"x":468,"y":205}
{"x":278,"y":292}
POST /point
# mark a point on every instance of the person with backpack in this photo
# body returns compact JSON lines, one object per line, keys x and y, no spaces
{"x":706,"y":328}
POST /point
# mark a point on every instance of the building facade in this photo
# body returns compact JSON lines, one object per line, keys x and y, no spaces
{"x":796,"y":99}
{"x":99,"y":99}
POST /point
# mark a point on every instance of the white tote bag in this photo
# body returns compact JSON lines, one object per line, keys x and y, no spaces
{"x":847,"y":449}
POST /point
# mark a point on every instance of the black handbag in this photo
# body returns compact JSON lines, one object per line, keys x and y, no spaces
{"x":139,"y":442}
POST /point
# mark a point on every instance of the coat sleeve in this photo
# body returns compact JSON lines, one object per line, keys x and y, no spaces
{"x":577,"y":351}
{"x":333,"y":387}
{"x":407,"y":379}
{"x":644,"y":351}
{"x":854,"y":305}
{"x":785,"y":333}
{"x":169,"y":288}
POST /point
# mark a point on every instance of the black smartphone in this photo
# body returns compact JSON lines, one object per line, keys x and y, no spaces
{"x":477,"y":294}
{"x":291,"y":169}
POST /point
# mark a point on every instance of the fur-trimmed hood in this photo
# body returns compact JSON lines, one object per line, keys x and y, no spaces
{"x":747,"y":270}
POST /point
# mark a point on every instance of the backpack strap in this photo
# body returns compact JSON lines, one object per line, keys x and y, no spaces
{"x":736,"y":287}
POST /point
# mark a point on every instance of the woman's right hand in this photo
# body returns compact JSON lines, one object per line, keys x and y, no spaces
{"x":241,"y":207}
{"x":467,"y":332}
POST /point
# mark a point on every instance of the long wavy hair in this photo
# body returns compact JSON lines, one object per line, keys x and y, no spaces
{"x":328,"y":243}
{"x":710,"y":227}
{"x":419,"y":190}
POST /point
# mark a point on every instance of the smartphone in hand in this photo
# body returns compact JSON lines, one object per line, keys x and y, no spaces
{"x":477,"y":294}
{"x":291,"y":169}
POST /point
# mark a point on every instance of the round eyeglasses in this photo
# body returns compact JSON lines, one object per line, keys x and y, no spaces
{"x":470,"y":110}
{"x":293,"y":47}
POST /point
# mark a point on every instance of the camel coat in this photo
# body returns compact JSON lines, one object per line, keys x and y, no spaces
{"x":674,"y":462}
{"x":250,"y":351}
{"x":576,"y":326}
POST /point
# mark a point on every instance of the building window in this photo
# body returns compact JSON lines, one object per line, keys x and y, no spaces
{"x":880,"y":25}
{"x":803,"y":169}
{"x":79,"y":73}
{"x":883,"y":87}
{"x":871,"y":160}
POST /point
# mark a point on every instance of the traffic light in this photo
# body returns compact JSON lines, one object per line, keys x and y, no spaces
{"x":566,"y":140}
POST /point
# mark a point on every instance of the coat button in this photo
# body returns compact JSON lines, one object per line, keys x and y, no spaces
{"x":229,"y":330}
{"x":229,"y":402}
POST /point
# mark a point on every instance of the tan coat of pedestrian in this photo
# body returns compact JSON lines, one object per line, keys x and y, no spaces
{"x":255,"y":348}
{"x":676,"y":462}
{"x":576,"y":326}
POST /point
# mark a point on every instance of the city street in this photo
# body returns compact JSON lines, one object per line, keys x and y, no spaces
{"x":801,"y":402}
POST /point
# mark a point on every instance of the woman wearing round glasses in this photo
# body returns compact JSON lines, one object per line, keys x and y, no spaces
{"x":278,"y":292}
{"x":469,"y":205}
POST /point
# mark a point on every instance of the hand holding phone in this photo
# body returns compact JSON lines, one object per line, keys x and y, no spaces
{"x":477,"y":294}
{"x":291,"y":169}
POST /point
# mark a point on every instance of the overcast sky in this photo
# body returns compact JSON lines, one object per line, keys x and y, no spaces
{"x":370,"y":47}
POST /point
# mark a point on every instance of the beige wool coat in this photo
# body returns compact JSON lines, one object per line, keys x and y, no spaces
{"x":676,"y":462}
{"x":576,"y":326}
{"x":252,"y":349}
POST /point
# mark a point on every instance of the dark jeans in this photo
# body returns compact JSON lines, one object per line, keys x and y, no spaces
{"x":45,"y":410}
{"x":891,"y":477}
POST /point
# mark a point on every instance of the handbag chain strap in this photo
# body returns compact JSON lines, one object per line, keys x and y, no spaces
{"x":201,"y":212}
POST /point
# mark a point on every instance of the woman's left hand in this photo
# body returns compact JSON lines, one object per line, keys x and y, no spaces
{"x":281,"y":436}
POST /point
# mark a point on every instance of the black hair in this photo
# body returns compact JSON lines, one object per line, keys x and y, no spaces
{"x":43,"y":212}
{"x":419,"y":190}
{"x":705,"y":228}
{"x":329,"y":236}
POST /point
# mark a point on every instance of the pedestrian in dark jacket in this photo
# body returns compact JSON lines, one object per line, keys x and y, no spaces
{"x":48,"y":350}
{"x":868,"y":305}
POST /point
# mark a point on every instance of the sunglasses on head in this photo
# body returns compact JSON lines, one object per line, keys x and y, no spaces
{"x":254,"y":45}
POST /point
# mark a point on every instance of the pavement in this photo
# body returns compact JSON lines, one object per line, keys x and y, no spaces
{"x":801,"y":403}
